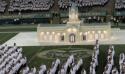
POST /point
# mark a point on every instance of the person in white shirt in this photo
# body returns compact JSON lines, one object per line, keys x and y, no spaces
{"x":115,"y":71}
{"x":62,"y":71}
{"x":25,"y":70}
{"x":84,"y":71}
{"x":42,"y":69}
{"x":34,"y":70}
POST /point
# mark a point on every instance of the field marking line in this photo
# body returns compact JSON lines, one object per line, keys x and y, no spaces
{"x":35,"y":55}
{"x":39,"y":51}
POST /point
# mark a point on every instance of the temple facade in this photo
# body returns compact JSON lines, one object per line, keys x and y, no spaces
{"x":75,"y":31}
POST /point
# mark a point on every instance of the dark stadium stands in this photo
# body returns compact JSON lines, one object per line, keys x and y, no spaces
{"x":118,"y":15}
{"x":25,"y":18}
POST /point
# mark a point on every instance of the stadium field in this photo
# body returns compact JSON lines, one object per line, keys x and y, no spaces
{"x":6,"y":36}
{"x":17,"y":28}
{"x":35,"y":61}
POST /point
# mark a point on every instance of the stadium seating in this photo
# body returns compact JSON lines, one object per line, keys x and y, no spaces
{"x":120,"y":4}
{"x":2,"y":6}
{"x":34,"y":5}
{"x":81,"y":3}
{"x":91,"y":2}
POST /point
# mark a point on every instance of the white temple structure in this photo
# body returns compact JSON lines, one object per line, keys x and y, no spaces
{"x":75,"y":31}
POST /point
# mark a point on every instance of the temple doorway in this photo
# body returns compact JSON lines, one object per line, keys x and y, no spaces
{"x":72,"y":38}
{"x":84,"y":37}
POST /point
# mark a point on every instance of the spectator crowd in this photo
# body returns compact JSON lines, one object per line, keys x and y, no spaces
{"x":40,"y":5}
{"x":2,"y":6}
{"x":81,"y":3}
{"x":120,"y":4}
{"x":34,"y":5}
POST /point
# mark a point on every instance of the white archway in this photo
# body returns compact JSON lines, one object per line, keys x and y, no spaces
{"x":72,"y":38}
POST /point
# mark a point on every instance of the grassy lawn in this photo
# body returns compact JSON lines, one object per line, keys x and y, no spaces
{"x":18,"y":28}
{"x":30,"y":27}
{"x":33,"y":60}
{"x":6,"y":36}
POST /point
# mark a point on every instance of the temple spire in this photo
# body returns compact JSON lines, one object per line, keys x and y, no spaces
{"x":73,"y":14}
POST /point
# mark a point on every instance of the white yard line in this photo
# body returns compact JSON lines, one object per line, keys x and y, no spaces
{"x":35,"y":55}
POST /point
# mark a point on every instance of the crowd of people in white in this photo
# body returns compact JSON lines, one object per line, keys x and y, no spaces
{"x":81,"y":3}
{"x":11,"y":59}
{"x":122,"y":63}
{"x":110,"y":67}
{"x":119,"y":4}
{"x":69,"y":67}
{"x":2,"y":6}
{"x":35,"y":5}
{"x":110,"y":62}
{"x":27,"y":70}
{"x":91,"y":2}
{"x":94,"y":62}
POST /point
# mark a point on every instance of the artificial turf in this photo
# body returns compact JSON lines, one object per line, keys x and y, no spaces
{"x":18,"y":28}
{"x":6,"y":36}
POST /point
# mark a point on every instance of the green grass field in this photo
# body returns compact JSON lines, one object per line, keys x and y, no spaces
{"x":18,"y":28}
{"x":34,"y":60}
{"x":6,"y":36}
